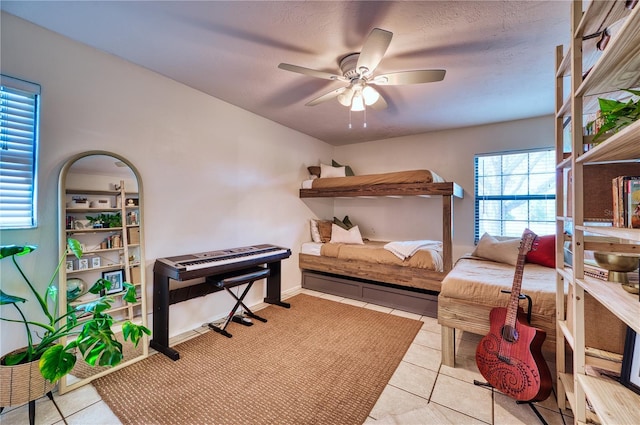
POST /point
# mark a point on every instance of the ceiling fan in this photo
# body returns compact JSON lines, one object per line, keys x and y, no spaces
{"x":357,"y":70}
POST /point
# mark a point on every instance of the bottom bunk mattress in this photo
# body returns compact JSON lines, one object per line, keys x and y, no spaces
{"x":371,"y":261}
{"x":482,"y":282}
{"x":376,"y":253}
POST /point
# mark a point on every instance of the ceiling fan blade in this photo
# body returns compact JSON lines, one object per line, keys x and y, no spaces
{"x":373,"y":50}
{"x":311,"y":72}
{"x":328,"y":96}
{"x":409,"y":77}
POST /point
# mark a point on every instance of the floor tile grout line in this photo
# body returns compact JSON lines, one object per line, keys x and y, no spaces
{"x":461,"y":413}
{"x":408,"y":391}
{"x":434,"y":382}
{"x":414,"y":364}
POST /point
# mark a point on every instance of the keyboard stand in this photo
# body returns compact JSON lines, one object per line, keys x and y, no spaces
{"x":232,"y":282}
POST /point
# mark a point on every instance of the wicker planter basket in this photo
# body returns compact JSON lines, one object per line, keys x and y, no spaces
{"x":22,"y":383}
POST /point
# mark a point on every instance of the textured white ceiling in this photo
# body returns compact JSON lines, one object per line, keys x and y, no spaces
{"x":499,"y":55}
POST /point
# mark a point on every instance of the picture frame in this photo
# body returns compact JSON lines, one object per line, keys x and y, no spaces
{"x":117,"y":279}
{"x":69,"y":264}
{"x":630,"y":373}
{"x":83,"y":264}
{"x":95,"y":262}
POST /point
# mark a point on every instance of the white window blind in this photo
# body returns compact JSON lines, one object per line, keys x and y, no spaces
{"x":19,"y":105}
{"x":514,"y":191}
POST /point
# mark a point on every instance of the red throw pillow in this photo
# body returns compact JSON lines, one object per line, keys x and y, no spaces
{"x":544,"y":251}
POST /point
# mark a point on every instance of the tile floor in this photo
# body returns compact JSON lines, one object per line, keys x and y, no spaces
{"x":422,"y":391}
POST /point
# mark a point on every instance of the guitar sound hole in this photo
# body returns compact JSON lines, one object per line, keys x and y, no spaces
{"x":509,"y":333}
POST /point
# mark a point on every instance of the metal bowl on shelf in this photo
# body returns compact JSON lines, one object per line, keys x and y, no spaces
{"x":619,"y":266}
{"x":75,"y":288}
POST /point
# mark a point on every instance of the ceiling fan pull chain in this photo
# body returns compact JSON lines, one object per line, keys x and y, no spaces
{"x":350,"y":119}
{"x":364,"y":124}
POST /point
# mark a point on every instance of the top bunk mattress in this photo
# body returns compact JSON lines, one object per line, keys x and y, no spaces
{"x":480,"y":282}
{"x":398,"y":177}
{"x":400,"y":183}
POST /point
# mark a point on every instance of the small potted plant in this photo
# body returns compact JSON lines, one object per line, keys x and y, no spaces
{"x":105,"y":220}
{"x":615,"y":115}
{"x":88,"y":324}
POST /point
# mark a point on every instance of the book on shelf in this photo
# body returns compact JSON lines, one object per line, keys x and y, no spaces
{"x":591,"y":269}
{"x":632,"y":216}
{"x":626,"y":201}
{"x":596,"y":272}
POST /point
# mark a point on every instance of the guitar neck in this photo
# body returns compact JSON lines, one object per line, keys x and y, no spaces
{"x":514,"y":300}
{"x":526,"y":243}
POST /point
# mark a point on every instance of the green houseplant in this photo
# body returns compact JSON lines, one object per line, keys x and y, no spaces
{"x":106,"y":220}
{"x":615,"y":115}
{"x":89,"y":324}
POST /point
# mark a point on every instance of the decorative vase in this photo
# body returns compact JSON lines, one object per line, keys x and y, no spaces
{"x":22,"y":383}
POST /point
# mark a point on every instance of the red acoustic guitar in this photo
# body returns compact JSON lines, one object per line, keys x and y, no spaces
{"x":510,"y":356}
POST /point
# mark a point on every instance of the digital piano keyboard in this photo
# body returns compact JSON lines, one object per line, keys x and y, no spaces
{"x":215,"y":259}
{"x":214,"y":266}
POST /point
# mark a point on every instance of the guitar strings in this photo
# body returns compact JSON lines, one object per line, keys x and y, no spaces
{"x":504,"y":350}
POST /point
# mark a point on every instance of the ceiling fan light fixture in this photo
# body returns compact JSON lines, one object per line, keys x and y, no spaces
{"x":370,"y":95}
{"x":357,"y":104}
{"x":345,"y":97}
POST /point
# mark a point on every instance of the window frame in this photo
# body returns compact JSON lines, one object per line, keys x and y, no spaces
{"x":26,"y":158}
{"x":502,"y":197}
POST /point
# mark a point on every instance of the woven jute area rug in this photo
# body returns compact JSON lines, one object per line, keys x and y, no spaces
{"x":319,"y":362}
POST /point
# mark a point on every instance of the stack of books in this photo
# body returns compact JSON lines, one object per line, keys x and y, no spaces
{"x":626,"y":201}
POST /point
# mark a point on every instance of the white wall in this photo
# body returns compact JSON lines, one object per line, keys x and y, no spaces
{"x":214,"y":176}
{"x":450,"y":154}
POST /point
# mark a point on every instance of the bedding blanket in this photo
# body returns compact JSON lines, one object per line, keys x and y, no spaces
{"x":480,"y":281}
{"x":414,"y":176}
{"x":405,"y":249}
{"x":374,"y":252}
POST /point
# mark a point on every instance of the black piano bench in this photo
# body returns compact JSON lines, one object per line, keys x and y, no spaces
{"x":234,"y":281}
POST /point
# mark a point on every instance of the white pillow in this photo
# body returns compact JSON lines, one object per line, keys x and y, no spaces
{"x":505,"y":251}
{"x":340,"y":235}
{"x":315,"y":233}
{"x":331,"y":171}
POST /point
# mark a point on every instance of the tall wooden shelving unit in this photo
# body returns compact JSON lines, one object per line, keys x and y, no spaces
{"x":618,"y":66}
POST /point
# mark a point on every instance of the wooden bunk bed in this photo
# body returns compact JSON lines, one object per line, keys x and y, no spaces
{"x":395,"y":286}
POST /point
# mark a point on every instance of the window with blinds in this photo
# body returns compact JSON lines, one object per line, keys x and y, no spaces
{"x":514,"y":191}
{"x":19,"y":105}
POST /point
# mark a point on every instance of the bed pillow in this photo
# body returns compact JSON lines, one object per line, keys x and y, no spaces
{"x":544,"y":251}
{"x":345,"y":223}
{"x":505,"y":251}
{"x":351,"y":236}
{"x":324,"y":228}
{"x":329,"y":171}
{"x":314,"y":170}
{"x":315,"y":233}
{"x":347,"y":170}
